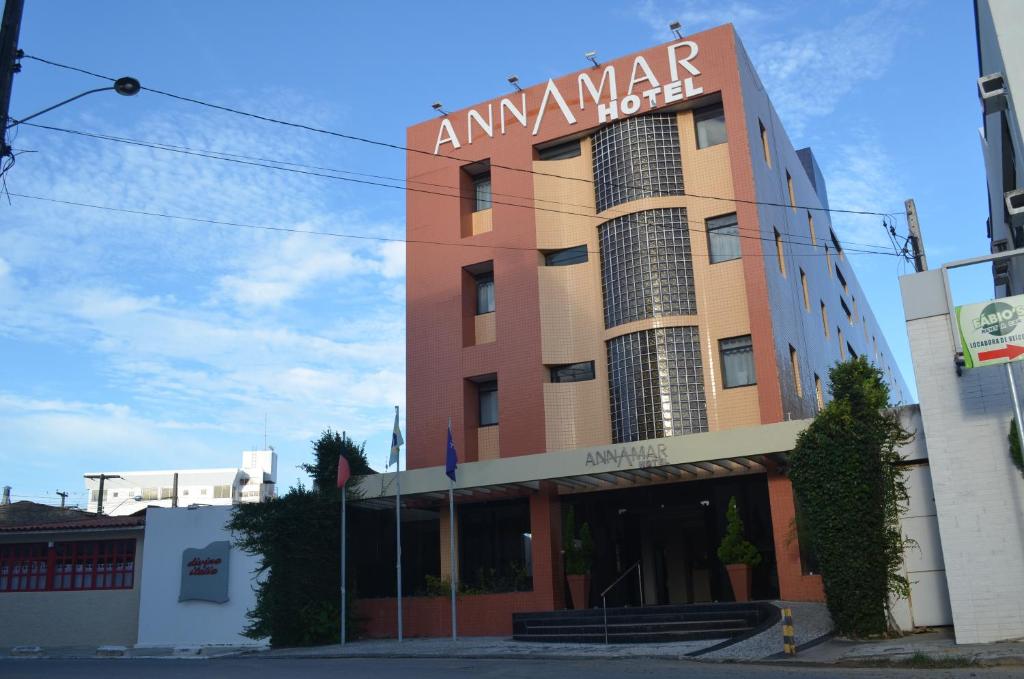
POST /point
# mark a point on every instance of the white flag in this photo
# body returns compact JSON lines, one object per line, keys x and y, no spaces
{"x":396,"y":442}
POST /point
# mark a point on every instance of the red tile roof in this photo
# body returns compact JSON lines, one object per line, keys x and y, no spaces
{"x":25,"y":516}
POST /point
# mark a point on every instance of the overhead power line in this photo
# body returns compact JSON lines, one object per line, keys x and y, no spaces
{"x":399,"y":147}
{"x":318,"y":171}
{"x":411,"y":241}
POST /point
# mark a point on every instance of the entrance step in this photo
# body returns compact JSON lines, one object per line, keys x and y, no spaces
{"x":647,"y":624}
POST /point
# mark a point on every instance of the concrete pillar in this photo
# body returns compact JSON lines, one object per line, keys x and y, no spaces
{"x":793,"y":584}
{"x":546,"y":531}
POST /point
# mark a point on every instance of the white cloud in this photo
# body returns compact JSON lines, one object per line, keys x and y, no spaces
{"x":808,"y":72}
{"x":186,"y":334}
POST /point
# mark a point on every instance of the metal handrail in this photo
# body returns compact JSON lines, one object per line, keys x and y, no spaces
{"x":604,"y":599}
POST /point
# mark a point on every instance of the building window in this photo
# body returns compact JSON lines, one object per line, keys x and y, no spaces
{"x":828,"y":261}
{"x":573,"y":255}
{"x":150,"y":493}
{"x":846,"y":310}
{"x":803,"y":286}
{"x":723,"y":238}
{"x":842,"y":280}
{"x":764,"y":144}
{"x":737,"y":356}
{"x":842,"y":344}
{"x":835,"y":243}
{"x":819,"y":393}
{"x":824,"y":319}
{"x":482,"y":192}
{"x":874,"y":342}
{"x":569,"y":149}
{"x":222,"y":491}
{"x":656,"y":382}
{"x":494,"y":545}
{"x":792,"y":195}
{"x":710,"y":124}
{"x":23,"y":567}
{"x":487,"y":394}
{"x":853,"y":354}
{"x":646,"y":266}
{"x":794,"y":365}
{"x":64,"y":566}
{"x":202,"y":491}
{"x":810,"y":228}
{"x":637,"y":158}
{"x":484,"y":292}
{"x":573,"y":372}
{"x":778,"y":252}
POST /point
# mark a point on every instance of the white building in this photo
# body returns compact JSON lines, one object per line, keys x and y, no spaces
{"x":128,"y":492}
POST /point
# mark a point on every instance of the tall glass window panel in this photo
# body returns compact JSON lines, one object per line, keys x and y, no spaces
{"x":484,"y":293}
{"x":737,"y":361}
{"x":482,"y":193}
{"x":723,"y":239}
{"x":488,"y":392}
{"x":710,"y":124}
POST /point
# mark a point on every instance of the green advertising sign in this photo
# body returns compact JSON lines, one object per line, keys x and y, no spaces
{"x":992,"y":332}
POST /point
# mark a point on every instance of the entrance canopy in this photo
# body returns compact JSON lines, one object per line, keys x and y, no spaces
{"x":678,"y":458}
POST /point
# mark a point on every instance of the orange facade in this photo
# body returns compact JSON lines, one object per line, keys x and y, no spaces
{"x":544,"y":316}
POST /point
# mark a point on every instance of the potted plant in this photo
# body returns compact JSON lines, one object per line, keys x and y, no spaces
{"x":579,"y":552}
{"x":738,"y":555}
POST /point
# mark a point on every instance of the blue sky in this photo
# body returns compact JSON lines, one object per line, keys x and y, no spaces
{"x":129,"y":342}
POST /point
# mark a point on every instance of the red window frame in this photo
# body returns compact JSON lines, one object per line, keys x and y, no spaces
{"x":67,"y":566}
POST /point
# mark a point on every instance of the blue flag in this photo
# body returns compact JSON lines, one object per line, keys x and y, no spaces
{"x":451,"y":460}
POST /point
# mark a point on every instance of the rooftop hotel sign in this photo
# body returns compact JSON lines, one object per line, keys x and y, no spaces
{"x":992,"y":332}
{"x":643,"y":93}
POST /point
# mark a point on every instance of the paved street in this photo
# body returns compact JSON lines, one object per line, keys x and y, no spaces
{"x":230,"y":668}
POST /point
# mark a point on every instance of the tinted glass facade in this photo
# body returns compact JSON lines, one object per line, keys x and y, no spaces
{"x":637,"y":158}
{"x":657,"y":384}
{"x":646,"y":266}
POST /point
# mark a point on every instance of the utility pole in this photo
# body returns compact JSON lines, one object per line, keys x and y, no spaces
{"x":63,"y":497}
{"x":10,"y":28}
{"x":174,"y":491}
{"x":916,"y":242}
{"x":102,"y":478}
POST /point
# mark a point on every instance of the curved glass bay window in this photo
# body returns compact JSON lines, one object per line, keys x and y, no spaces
{"x":646,"y":266}
{"x":657,"y":384}
{"x":637,"y":158}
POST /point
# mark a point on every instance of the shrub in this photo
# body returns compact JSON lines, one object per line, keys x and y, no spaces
{"x":579,"y":552}
{"x":734,"y":547}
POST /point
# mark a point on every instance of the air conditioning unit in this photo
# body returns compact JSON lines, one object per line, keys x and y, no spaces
{"x":1015,"y":206}
{"x":992,"y":92}
{"x":1001,"y":273}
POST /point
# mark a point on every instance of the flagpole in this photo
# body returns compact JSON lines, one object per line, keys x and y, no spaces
{"x":451,"y":561}
{"x":343,"y":603}
{"x":398,"y":533}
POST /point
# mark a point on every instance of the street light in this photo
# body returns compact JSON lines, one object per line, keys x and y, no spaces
{"x":127,"y":87}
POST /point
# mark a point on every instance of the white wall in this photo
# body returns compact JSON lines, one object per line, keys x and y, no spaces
{"x":977,"y":490}
{"x":163,"y":620}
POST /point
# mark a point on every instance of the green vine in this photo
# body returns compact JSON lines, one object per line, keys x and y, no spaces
{"x":852,"y":490}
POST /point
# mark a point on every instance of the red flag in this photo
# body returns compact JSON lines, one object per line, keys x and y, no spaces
{"x":343,"y":471}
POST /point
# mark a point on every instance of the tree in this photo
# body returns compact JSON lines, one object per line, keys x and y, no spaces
{"x":297,"y":539}
{"x":851,"y":489}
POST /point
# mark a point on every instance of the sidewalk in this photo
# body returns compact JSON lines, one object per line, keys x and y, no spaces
{"x":938,"y":646}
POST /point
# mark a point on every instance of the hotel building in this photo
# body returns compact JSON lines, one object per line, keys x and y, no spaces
{"x":632,"y":316}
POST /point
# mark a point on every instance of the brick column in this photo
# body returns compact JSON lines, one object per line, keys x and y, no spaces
{"x":546,"y":531}
{"x":793,"y":584}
